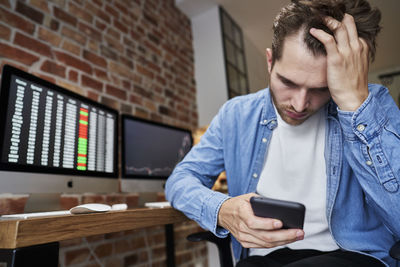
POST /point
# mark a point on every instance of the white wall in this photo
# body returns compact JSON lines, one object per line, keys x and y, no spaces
{"x":211,"y":85}
{"x":256,"y":66}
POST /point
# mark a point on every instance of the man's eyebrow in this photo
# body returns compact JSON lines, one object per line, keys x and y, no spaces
{"x":286,"y":80}
{"x":293,"y":84}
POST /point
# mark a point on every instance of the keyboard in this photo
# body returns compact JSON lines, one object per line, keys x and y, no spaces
{"x":37,"y":214}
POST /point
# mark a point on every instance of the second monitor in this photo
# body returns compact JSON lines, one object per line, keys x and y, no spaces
{"x":150,"y":152}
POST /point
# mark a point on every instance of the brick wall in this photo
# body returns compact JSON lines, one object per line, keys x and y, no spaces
{"x":133,"y":55}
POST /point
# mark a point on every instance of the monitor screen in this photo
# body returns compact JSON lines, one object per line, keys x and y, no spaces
{"x":54,"y":132}
{"x":151,"y":150}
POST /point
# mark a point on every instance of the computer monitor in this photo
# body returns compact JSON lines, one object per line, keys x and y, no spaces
{"x":53,"y":140}
{"x":150,"y":152}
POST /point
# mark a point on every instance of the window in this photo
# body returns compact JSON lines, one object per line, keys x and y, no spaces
{"x":235,"y":61}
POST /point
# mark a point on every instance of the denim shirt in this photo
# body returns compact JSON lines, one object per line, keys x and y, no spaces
{"x":362,"y":154}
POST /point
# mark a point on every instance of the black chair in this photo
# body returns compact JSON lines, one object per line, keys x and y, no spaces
{"x":225,"y":254}
{"x":223,"y":245}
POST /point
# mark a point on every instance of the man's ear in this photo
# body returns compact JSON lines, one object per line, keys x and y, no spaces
{"x":268,"y":54}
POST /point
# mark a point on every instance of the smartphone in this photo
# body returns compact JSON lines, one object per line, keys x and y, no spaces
{"x":290,"y":213}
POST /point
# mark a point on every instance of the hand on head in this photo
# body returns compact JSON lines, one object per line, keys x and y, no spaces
{"x":347,"y":62}
{"x":236,"y":215}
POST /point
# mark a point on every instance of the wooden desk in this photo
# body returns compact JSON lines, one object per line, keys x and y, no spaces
{"x":18,"y":234}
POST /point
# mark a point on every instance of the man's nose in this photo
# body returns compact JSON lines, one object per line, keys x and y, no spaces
{"x":300,"y":101}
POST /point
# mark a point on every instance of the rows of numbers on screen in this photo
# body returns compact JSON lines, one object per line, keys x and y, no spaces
{"x":52,"y":129}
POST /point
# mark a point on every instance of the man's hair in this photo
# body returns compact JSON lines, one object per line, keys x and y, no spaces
{"x":306,"y":14}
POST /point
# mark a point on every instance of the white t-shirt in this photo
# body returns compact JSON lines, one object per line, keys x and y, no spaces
{"x":294,"y":170}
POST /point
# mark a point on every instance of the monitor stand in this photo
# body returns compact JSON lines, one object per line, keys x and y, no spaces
{"x":38,"y":202}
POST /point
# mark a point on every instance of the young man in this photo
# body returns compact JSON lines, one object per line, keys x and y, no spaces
{"x":320,"y":135}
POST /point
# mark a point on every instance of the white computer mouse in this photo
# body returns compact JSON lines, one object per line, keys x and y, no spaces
{"x":90,"y":208}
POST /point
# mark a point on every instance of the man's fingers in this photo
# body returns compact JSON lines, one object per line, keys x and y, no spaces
{"x":340,"y":31}
{"x":326,"y":39}
{"x":269,"y":239}
{"x":259,"y":223}
{"x":348,"y":20}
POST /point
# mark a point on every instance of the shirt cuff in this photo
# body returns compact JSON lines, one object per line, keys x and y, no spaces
{"x":364,"y":123}
{"x":210,"y":213}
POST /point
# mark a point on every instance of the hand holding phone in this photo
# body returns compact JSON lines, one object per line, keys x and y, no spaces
{"x":237,"y":216}
{"x":291,"y":214}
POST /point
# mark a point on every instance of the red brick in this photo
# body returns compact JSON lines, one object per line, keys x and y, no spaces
{"x":49,"y":36}
{"x":140,"y":112}
{"x":150,"y":18}
{"x":29,"y":12}
{"x":101,"y":26}
{"x":74,"y":35}
{"x":101,"y":74}
{"x":71,"y":47}
{"x":126,"y":84}
{"x":53,"y":68}
{"x":52,"y":24}
{"x":127,"y":62}
{"x":141,"y":91}
{"x":80,"y":13}
{"x":131,"y":259}
{"x":112,"y":103}
{"x":113,"y":33}
{"x":125,"y":108}
{"x":120,"y":26}
{"x":94,"y":238}
{"x":17,"y":54}
{"x":135,"y":35}
{"x":89,"y":31}
{"x":115,"y":199}
{"x":108,"y":53}
{"x":5,"y":32}
{"x":122,"y":246}
{"x":114,"y":91}
{"x":65,"y":16}
{"x":112,"y":11}
{"x":136,"y":99}
{"x":92,"y":95}
{"x":41,"y":4}
{"x":114,"y":44}
{"x":16,"y":21}
{"x":122,"y":8}
{"x":73,"y":76}
{"x":95,"y":59}
{"x":92,"y":83}
{"x":93,"y":198}
{"x":150,"y":105}
{"x":154,"y":67}
{"x":98,"y":2}
{"x":97,"y":12}
{"x":73,"y":62}
{"x":69,"y":201}
{"x":76,"y":256}
{"x":12,"y":204}
{"x":103,"y":250}
{"x":120,"y":69}
{"x":5,"y":3}
{"x":145,"y":72}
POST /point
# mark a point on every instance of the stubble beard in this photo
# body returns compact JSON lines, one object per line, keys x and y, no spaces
{"x":282,"y":108}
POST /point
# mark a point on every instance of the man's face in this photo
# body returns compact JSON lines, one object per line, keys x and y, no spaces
{"x":298,"y":81}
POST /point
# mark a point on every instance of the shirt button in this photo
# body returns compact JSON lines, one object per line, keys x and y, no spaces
{"x":255,"y":175}
{"x":264,"y":140}
{"x":265,"y":121}
{"x":369,"y":163}
{"x":360,"y":127}
{"x":273,"y":122}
